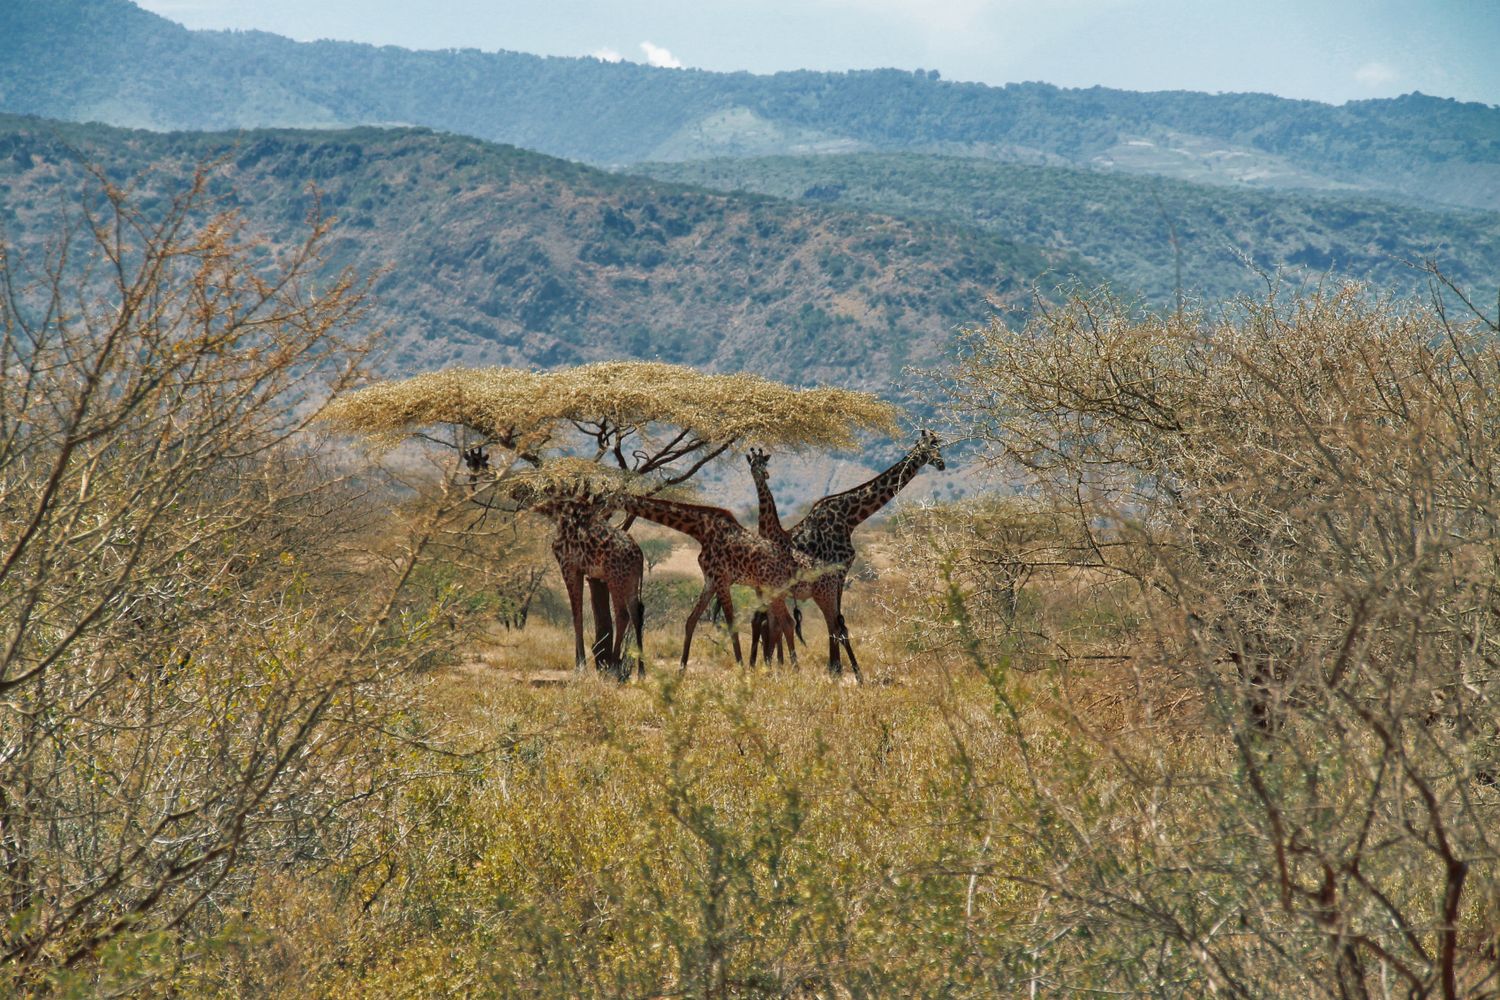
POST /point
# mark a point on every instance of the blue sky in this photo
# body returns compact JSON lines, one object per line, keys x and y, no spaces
{"x":1328,"y":50}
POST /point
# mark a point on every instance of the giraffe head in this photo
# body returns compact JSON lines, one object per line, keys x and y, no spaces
{"x":477,"y":461}
{"x":759,"y":461}
{"x":927,"y":451}
{"x":578,"y":510}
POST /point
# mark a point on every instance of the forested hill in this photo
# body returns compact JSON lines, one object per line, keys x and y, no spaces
{"x":1125,"y":225}
{"x":108,"y":60}
{"x":489,"y":254}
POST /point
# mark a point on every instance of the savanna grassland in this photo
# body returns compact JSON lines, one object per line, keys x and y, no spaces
{"x":1202,"y":702}
{"x":1195,"y":692}
{"x":727,"y":832}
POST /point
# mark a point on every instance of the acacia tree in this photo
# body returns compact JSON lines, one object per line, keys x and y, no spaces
{"x":184,"y":677}
{"x":1306,"y":495}
{"x":598,"y":428}
{"x":649,"y":419}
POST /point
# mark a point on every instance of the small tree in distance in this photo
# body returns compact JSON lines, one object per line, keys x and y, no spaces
{"x":656,"y":551}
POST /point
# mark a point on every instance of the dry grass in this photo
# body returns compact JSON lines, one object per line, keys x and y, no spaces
{"x":728,"y":832}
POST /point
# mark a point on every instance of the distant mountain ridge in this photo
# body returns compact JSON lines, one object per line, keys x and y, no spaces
{"x":108,"y":60}
{"x":1125,"y":225}
{"x":489,"y":254}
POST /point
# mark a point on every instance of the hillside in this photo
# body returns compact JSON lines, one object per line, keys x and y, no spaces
{"x":108,"y":60}
{"x":491,"y":254}
{"x":1120,"y":223}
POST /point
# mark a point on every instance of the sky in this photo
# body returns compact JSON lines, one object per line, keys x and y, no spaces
{"x":1326,"y":50}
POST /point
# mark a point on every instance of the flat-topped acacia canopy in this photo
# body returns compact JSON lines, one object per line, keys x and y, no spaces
{"x":640,"y":416}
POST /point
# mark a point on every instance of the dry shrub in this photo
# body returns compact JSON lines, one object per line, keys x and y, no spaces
{"x":1016,"y":561}
{"x":727,"y":835}
{"x":1304,"y":495}
{"x":196,"y":637}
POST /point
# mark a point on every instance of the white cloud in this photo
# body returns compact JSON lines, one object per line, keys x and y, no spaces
{"x":658,"y":56}
{"x":607,"y":54}
{"x":936,"y":17}
{"x":1375,"y":75}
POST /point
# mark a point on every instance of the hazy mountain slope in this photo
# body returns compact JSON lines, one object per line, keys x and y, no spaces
{"x":108,"y":60}
{"x":491,"y":254}
{"x":1120,"y":222}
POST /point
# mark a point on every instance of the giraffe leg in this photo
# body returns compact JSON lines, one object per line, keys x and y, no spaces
{"x":726,"y":604}
{"x":639,"y":611}
{"x":693,"y":616}
{"x":843,"y":581}
{"x":848,"y":648}
{"x":604,"y":645}
{"x":574,"y":583}
{"x":790,"y":627}
{"x":778,"y":627}
{"x":829,"y":606}
{"x":624,"y":610}
{"x":757,"y":634}
{"x":763,"y":626}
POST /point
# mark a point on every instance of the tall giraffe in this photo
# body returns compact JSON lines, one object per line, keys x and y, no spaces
{"x":729,"y":554}
{"x":768,"y":522}
{"x":826,"y":532}
{"x":587,"y":547}
{"x":769,"y":526}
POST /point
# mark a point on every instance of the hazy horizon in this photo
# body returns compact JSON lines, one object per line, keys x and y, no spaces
{"x":1338,"y":51}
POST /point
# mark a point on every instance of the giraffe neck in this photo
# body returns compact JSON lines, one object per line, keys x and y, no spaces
{"x":692,"y":520}
{"x":853,"y":507}
{"x":769,"y":523}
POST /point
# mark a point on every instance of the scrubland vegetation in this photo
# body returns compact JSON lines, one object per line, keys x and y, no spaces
{"x":1199,"y":700}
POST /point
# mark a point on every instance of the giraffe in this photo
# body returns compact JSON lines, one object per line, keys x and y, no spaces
{"x":587,"y":547}
{"x":825,"y":534}
{"x":730,"y":554}
{"x":768,"y":522}
{"x":477,"y":460}
{"x":769,"y":526}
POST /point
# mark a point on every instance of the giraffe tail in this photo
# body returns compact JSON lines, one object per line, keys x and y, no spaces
{"x":797,"y":623}
{"x":640,"y":641}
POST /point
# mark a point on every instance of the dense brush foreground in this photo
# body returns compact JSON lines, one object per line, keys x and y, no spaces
{"x":1207,"y":706}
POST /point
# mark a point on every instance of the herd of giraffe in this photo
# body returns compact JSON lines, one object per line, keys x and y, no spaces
{"x":810,"y":561}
